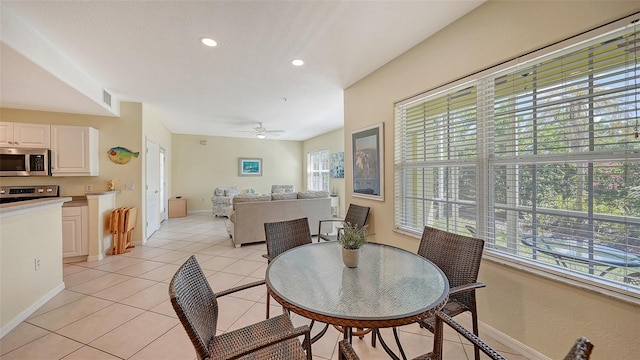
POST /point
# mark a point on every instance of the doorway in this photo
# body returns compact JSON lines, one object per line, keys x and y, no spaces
{"x":152,"y":189}
{"x":164,"y":199}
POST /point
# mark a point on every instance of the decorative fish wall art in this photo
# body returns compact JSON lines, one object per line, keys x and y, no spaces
{"x":120,"y":155}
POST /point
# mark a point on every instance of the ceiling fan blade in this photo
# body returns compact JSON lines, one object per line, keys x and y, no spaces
{"x":274,"y":131}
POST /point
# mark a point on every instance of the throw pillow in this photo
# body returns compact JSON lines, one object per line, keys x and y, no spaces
{"x":278,"y":189}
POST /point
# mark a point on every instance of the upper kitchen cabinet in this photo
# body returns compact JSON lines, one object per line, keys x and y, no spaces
{"x":20,"y":135}
{"x":74,"y":151}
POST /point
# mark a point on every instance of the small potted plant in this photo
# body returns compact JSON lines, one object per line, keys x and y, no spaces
{"x":352,"y":238}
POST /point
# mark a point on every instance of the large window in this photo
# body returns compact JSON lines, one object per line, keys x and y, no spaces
{"x":318,"y":170}
{"x":542,"y":160}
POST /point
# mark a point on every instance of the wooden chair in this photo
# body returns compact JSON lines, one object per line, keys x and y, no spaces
{"x":197,"y":308}
{"x":458,"y":256}
{"x":282,"y":236}
{"x":122,"y":222}
{"x":356,"y":215}
{"x":581,"y":349}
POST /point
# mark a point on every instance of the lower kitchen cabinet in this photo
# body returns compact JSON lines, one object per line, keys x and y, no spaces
{"x":75,"y":232}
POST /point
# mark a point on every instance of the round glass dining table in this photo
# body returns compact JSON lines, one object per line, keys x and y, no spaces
{"x":390,"y":287}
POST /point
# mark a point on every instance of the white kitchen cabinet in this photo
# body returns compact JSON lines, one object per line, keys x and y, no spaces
{"x":75,"y":232}
{"x":23,"y":135}
{"x":74,"y":151}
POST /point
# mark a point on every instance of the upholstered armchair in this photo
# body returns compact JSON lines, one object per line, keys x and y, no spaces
{"x":222,"y":199}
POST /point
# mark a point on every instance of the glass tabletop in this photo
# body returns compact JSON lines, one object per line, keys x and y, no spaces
{"x":388,"y":284}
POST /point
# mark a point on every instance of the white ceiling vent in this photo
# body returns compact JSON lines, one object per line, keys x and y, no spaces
{"x":106,"y":97}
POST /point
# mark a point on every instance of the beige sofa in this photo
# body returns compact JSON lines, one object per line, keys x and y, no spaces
{"x":248,"y":217}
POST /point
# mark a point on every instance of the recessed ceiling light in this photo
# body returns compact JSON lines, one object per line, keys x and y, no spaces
{"x":297,"y":62}
{"x":208,"y":41}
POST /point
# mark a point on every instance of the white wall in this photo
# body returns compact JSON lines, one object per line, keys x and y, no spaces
{"x":198,"y":169}
{"x":543,"y":314}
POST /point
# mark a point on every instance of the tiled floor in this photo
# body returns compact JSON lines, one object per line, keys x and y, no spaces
{"x":119,"y":308}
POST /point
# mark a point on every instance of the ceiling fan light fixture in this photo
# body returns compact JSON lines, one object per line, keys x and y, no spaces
{"x":297,"y":62}
{"x":208,"y":41}
{"x":261,"y":136}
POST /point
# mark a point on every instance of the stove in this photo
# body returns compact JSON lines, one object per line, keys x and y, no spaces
{"x":9,"y":194}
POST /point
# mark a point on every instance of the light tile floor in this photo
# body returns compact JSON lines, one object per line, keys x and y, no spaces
{"x":118,"y":308}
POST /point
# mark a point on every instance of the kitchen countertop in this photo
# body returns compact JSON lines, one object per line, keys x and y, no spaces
{"x":76,"y":201}
{"x":102,"y":193}
{"x":30,"y":204}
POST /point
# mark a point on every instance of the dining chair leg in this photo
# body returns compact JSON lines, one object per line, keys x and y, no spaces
{"x":474,"y":320}
{"x":268,"y":303}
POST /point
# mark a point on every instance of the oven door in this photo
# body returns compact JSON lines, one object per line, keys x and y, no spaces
{"x":13,"y":163}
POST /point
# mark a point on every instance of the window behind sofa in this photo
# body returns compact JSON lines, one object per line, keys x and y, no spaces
{"x":545,"y":150}
{"x":318,"y":170}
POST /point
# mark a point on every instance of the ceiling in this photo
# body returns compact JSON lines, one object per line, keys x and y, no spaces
{"x":149,"y":52}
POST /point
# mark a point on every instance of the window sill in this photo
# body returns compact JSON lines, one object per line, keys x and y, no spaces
{"x":619,"y":293}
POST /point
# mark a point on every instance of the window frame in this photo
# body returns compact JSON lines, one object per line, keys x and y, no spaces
{"x":485,"y":82}
{"x":322,"y":172}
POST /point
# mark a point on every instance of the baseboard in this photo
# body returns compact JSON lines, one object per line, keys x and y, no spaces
{"x":22,"y":316}
{"x":199,"y":212}
{"x":96,"y":257}
{"x":512,"y":343}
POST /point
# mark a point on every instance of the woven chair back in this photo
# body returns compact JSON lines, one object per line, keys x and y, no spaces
{"x":458,"y":256}
{"x":284,"y":235}
{"x":195,"y":304}
{"x":581,"y":350}
{"x":357,"y":215}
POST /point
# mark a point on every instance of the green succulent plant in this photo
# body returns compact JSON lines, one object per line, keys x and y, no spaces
{"x":352,"y":237}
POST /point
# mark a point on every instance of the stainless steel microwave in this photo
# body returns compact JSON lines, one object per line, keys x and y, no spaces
{"x":25,"y":162}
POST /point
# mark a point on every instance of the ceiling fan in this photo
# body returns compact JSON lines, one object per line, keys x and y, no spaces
{"x":261,"y":132}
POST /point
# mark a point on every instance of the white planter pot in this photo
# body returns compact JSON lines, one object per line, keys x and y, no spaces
{"x":351,"y":257}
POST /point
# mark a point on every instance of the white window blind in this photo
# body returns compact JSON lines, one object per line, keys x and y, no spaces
{"x":542,"y":160}
{"x":436,"y":179}
{"x":318,"y":170}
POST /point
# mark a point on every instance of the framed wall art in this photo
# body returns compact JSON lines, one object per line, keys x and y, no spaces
{"x":367,"y":147}
{"x":337,"y":165}
{"x":249,"y":167}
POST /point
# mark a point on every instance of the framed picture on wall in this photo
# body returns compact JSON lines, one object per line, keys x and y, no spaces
{"x":367,"y":149}
{"x":249,"y":167}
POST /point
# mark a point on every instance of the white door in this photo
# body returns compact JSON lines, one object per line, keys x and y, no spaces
{"x":164,"y":199}
{"x":152,"y":188}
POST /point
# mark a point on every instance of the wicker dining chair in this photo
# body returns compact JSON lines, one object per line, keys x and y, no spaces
{"x":356,"y":215}
{"x":282,"y":236}
{"x":581,"y":349}
{"x":197,"y":308}
{"x":458,"y":256}
{"x":346,"y":352}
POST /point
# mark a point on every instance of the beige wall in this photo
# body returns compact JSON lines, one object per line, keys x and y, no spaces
{"x":124,"y":131}
{"x":543,"y":314}
{"x":334,"y":142}
{"x":198,"y":169}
